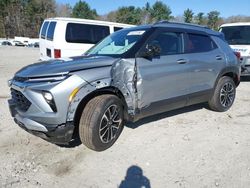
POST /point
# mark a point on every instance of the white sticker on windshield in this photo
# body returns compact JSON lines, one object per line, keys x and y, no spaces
{"x":135,"y":33}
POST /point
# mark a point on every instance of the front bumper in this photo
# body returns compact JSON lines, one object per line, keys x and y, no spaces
{"x":59,"y":134}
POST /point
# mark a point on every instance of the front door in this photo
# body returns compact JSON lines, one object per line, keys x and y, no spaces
{"x":162,"y":80}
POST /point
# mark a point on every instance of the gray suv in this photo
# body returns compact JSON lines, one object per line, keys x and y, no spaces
{"x":131,"y":74}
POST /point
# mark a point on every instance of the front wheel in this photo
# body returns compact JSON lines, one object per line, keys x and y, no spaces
{"x":101,"y":122}
{"x":224,"y":95}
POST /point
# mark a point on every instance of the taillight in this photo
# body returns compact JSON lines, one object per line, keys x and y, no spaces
{"x":57,"y":53}
{"x":237,"y":55}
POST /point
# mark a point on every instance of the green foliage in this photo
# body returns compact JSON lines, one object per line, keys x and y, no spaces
{"x":129,"y":15}
{"x":24,"y":17}
{"x":200,"y":18}
{"x":213,"y":18}
{"x":160,"y":11}
{"x":188,"y":15}
{"x":83,"y":10}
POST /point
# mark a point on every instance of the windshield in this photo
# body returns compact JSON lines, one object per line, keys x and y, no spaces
{"x":237,"y":34}
{"x":117,"y":43}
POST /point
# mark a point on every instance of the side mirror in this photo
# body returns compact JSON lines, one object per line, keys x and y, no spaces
{"x":151,"y":50}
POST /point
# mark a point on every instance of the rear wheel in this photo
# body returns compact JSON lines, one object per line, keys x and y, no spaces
{"x":224,"y":95}
{"x":101,"y":122}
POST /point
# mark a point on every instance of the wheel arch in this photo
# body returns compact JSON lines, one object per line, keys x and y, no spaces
{"x":232,"y":72}
{"x":102,"y":91}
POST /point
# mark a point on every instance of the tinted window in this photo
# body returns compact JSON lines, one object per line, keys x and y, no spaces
{"x":50,"y":33}
{"x":200,"y":43}
{"x":237,"y":34}
{"x":44,"y":29}
{"x":169,"y":42}
{"x":117,"y":28}
{"x":83,"y":33}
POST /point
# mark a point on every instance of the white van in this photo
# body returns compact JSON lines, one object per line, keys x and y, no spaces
{"x":238,"y":37}
{"x":65,"y":37}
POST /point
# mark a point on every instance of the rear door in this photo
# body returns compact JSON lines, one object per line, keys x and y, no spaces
{"x":205,"y":62}
{"x":46,"y":40}
{"x":162,"y":80}
{"x":42,"y":39}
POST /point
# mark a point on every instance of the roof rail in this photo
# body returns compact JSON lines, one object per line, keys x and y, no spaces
{"x":181,"y":23}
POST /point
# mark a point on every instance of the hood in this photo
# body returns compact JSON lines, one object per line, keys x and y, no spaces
{"x":64,"y":66}
{"x":243,"y":49}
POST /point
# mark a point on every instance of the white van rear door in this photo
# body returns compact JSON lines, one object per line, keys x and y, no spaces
{"x":42,"y":40}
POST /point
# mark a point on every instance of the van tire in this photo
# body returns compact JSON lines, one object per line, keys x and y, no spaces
{"x":224,"y":95}
{"x":101,"y":122}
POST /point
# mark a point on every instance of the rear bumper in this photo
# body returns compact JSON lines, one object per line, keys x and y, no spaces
{"x":59,"y":134}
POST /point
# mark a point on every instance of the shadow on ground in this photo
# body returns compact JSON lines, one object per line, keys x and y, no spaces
{"x":166,"y":115}
{"x":135,"y":179}
{"x":77,"y":142}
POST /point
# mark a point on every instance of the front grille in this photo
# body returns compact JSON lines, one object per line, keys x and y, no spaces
{"x":20,"y":101}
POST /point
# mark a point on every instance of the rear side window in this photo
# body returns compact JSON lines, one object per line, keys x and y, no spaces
{"x":44,"y":29}
{"x":85,"y":33}
{"x":51,"y":30}
{"x":117,"y":28}
{"x":199,"y":43}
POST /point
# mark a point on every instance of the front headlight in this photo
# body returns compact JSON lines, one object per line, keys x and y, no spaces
{"x":50,"y":100}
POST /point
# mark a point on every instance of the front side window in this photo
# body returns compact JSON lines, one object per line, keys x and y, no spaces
{"x":197,"y":43}
{"x":51,"y":30}
{"x":170,"y":43}
{"x":237,"y":34}
{"x":85,"y":33}
{"x":44,"y":29}
{"x":117,"y":43}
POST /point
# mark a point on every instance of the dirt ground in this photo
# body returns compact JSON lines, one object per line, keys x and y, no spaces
{"x":190,"y":147}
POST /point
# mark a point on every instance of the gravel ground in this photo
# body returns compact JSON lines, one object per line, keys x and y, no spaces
{"x":190,"y":147}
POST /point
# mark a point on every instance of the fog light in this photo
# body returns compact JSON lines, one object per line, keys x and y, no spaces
{"x":47,"y":96}
{"x":49,"y":99}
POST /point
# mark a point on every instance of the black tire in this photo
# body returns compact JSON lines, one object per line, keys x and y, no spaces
{"x":101,"y":122}
{"x":224,"y":95}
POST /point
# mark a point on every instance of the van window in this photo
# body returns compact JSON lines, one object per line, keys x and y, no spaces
{"x":237,"y":34}
{"x":117,"y":28}
{"x":50,"y":32}
{"x":85,"y":33}
{"x":200,"y":43}
{"x":44,"y":29}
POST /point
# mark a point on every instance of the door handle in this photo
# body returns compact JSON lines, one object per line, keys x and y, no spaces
{"x":218,"y":57}
{"x":182,"y":61}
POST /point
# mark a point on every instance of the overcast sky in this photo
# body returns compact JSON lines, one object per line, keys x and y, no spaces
{"x":225,"y":7}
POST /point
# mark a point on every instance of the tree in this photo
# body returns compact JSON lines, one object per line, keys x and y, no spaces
{"x":160,"y":11}
{"x":129,"y":15}
{"x":188,"y":15}
{"x":213,"y":18}
{"x":111,"y":16}
{"x":145,"y":14}
{"x":83,"y":10}
{"x":199,"y":19}
{"x":63,"y":10}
